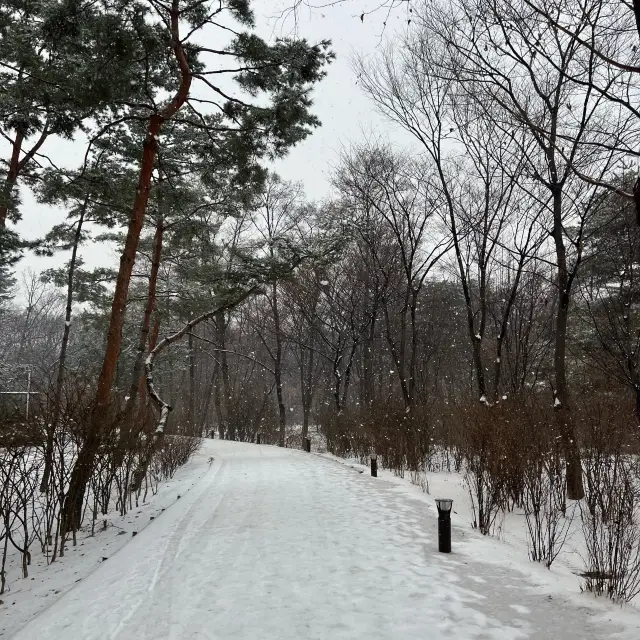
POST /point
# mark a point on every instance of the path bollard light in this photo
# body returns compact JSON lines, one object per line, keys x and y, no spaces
{"x":444,"y":524}
{"x":374,"y":465}
{"x":307,"y":445}
{"x":257,"y":438}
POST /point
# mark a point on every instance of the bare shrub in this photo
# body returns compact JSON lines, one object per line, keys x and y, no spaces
{"x":54,"y":432}
{"x":485,"y":468}
{"x":419,"y":479}
{"x":611,"y":526}
{"x":611,"y":509}
{"x":174,"y":452}
{"x":544,"y":505}
{"x":401,"y":439}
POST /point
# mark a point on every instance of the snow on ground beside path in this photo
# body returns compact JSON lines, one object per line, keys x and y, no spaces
{"x":509,"y":545}
{"x":26,"y":598}
{"x":278,"y":544}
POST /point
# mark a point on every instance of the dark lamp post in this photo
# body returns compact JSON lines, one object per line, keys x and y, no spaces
{"x":444,"y":524}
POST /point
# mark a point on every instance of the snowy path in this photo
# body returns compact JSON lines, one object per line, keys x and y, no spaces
{"x":276,"y":544}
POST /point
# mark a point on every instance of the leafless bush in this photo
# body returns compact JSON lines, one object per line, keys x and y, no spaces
{"x":54,"y":433}
{"x":611,"y":509}
{"x":611,"y":526}
{"x":174,"y":452}
{"x":484,"y":446}
{"x":544,"y":505}
{"x":401,"y":439}
{"x":419,"y":479}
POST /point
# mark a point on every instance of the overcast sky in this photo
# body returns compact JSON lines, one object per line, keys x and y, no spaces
{"x":346,"y":113}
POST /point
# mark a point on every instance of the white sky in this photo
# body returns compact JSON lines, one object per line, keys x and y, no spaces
{"x":346,"y":113}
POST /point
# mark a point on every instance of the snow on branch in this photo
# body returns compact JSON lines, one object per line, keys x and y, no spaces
{"x":164,"y":407}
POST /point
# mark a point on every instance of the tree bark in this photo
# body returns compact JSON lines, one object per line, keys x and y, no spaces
{"x":217,"y":400}
{"x":12,"y":175}
{"x":191,"y":410}
{"x":277,"y":365}
{"x":306,"y":387}
{"x":204,"y":422}
{"x":367,"y":364}
{"x":226,"y":396}
{"x":138,"y":366}
{"x":564,"y":421}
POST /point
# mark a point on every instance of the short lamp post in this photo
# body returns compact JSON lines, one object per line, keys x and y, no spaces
{"x":374,"y":465}
{"x":444,"y":524}
{"x":258,"y":438}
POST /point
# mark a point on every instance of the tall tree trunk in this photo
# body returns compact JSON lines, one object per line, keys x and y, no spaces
{"x":72,"y":510}
{"x":563,"y":414}
{"x":138,"y":365}
{"x":413,"y":358}
{"x":475,"y":335}
{"x":306,"y":383}
{"x":347,"y":374}
{"x":217,"y":400}
{"x":398,"y":357}
{"x":227,"y":413}
{"x":502,"y":329}
{"x":204,"y":416}
{"x":277,"y":365}
{"x":367,"y":365}
{"x":131,"y":427}
{"x":57,"y":397}
{"x":191,"y":409}
{"x":143,"y":406}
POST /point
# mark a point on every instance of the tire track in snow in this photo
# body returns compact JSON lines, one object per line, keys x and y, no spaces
{"x":164,"y":563}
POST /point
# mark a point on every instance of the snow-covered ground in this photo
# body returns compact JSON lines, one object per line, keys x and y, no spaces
{"x":25,"y":598}
{"x":277,"y":544}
